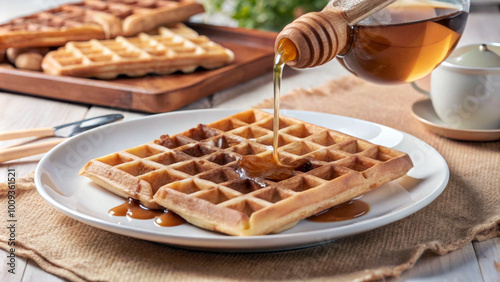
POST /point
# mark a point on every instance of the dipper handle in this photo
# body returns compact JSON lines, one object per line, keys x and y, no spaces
{"x":316,"y":38}
{"x":355,"y":11}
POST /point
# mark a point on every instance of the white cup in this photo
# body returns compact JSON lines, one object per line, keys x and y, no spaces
{"x":465,"y":89}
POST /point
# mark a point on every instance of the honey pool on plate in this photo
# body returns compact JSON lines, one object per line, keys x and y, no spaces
{"x":165,"y":218}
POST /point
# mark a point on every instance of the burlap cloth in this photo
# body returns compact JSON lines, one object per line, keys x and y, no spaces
{"x":467,"y":210}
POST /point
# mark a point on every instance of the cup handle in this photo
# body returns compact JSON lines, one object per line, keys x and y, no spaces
{"x":419,"y":89}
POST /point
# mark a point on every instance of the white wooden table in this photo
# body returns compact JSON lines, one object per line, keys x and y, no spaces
{"x":474,"y":262}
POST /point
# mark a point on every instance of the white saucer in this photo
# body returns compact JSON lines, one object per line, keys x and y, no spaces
{"x":424,"y":112}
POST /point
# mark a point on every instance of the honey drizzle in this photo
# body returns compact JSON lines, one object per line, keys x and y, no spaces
{"x":286,"y":52}
{"x":134,"y":209}
{"x":279,"y":64}
{"x":271,"y":168}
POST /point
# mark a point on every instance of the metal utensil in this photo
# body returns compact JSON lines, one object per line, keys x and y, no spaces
{"x":64,"y":131}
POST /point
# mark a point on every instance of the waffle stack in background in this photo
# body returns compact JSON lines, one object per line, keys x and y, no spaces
{"x":176,"y":48}
{"x":94,"y":19}
{"x":194,"y":173}
{"x":125,"y":24}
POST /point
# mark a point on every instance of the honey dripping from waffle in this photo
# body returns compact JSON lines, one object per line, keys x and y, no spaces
{"x":134,"y":209}
{"x":270,"y":167}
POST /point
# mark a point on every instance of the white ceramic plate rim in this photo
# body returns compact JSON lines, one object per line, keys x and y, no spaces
{"x":421,"y":196}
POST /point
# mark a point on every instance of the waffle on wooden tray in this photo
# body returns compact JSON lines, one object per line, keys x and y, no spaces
{"x":176,"y":48}
{"x":94,"y":19}
{"x":195,"y":173}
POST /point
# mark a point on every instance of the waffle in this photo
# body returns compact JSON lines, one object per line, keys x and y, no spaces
{"x":177,"y":48}
{"x":94,"y":19}
{"x":195,"y":173}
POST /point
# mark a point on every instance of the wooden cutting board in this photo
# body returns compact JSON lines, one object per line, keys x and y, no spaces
{"x":253,"y":49}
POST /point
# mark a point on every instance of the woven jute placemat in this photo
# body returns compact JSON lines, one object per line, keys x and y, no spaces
{"x":467,"y":210}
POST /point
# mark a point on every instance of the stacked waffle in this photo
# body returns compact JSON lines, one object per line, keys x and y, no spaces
{"x":106,"y":38}
{"x":94,"y":19}
{"x":177,"y":48}
{"x":196,"y":173}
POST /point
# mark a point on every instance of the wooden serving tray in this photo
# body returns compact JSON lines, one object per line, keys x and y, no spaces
{"x":253,"y":49}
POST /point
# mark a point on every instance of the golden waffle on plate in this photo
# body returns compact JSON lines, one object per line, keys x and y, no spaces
{"x":177,"y":48}
{"x":195,"y":173}
{"x":94,"y":19}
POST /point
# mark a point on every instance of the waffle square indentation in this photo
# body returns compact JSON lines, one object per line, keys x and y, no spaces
{"x":156,"y":52}
{"x":215,"y":195}
{"x":301,"y":148}
{"x":136,"y":168}
{"x":201,"y":132}
{"x":269,"y":123}
{"x":143,"y":151}
{"x":159,"y":178}
{"x":282,"y":140}
{"x":128,"y":54}
{"x":329,"y":172}
{"x":70,"y":61}
{"x":327,"y":138}
{"x":302,"y":183}
{"x":328,"y":155}
{"x":272,"y":195}
{"x":243,"y":185}
{"x":169,"y":158}
{"x":248,"y":149}
{"x":381,"y":154}
{"x":100,"y":58}
{"x":114,"y":159}
{"x":247,"y":207}
{"x":172,"y":142}
{"x":357,"y":163}
{"x":246,"y":117}
{"x":298,"y":130}
{"x":224,"y":142}
{"x":221,"y":158}
{"x":221,"y":175}
{"x":355,"y":146}
{"x":188,"y":186}
{"x":194,"y":167}
{"x":227,"y":124}
{"x":198,"y":150}
{"x":250,"y":132}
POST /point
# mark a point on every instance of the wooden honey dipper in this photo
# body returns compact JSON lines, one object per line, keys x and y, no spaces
{"x":316,"y":38}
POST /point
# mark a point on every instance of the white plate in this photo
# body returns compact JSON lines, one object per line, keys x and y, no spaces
{"x":424,"y":112}
{"x":58,"y":182}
